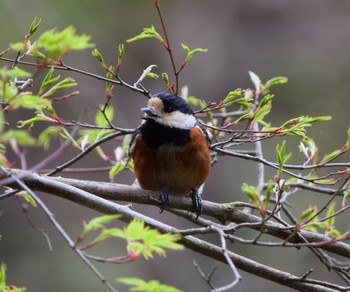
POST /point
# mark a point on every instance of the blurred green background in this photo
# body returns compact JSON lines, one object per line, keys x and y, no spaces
{"x":306,"y":41}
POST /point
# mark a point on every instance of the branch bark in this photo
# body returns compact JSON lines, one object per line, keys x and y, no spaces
{"x":97,"y":196}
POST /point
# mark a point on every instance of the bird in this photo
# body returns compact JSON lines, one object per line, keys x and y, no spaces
{"x":170,"y":150}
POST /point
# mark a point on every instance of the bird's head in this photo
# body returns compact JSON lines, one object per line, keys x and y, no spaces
{"x":169,"y":110}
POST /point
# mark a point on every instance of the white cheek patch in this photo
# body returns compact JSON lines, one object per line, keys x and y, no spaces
{"x":177,"y":120}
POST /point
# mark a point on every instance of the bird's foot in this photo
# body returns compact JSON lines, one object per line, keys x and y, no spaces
{"x":164,"y":198}
{"x":197,"y":202}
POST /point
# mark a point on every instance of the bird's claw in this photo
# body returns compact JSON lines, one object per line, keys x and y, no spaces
{"x":196,"y":202}
{"x":164,"y":199}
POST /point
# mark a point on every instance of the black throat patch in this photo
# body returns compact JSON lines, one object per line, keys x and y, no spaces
{"x":155,"y":135}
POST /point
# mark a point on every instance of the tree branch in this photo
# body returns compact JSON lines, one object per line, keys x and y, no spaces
{"x":61,"y":187}
{"x":118,"y":192}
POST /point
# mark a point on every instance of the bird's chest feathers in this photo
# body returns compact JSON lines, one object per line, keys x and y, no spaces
{"x":163,"y":138}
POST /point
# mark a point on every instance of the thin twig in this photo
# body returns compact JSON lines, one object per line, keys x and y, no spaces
{"x":168,"y":47}
{"x":229,"y":262}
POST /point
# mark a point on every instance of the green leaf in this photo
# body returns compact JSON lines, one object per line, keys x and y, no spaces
{"x":29,"y":101}
{"x":269,"y":192}
{"x":59,"y":43}
{"x":151,"y":286}
{"x":27,"y":197}
{"x":121,"y":51}
{"x":14,"y":73}
{"x":48,"y":134}
{"x":276,"y":81}
{"x":165,"y":78}
{"x":99,"y":58}
{"x":308,"y":213}
{"x":148,"y":32}
{"x":252,"y":193}
{"x":100,"y":119}
{"x":296,"y":126}
{"x":109,"y":233}
{"x":20,"y":137}
{"x":18,"y":47}
{"x":97,"y":223}
{"x":330,"y":212}
{"x":67,"y":136}
{"x":149,"y":240}
{"x":152,"y":76}
{"x":89,"y":137}
{"x":232,"y":95}
{"x":118,"y":167}
{"x":2,"y":277}
{"x":282,"y":158}
{"x":3,"y":286}
{"x":63,"y":84}
{"x":30,"y":122}
{"x":334,"y":233}
{"x":191,"y":53}
{"x":263,"y":108}
{"x":33,"y":27}
{"x":48,"y":81}
{"x":331,"y":156}
{"x":346,"y":196}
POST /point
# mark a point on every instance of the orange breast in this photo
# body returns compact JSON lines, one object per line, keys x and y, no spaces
{"x":179,"y":169}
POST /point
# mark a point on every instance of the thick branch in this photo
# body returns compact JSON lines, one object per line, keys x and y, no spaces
{"x":59,"y":187}
{"x":118,"y":192}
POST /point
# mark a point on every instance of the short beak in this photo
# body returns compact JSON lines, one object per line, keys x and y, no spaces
{"x":150,"y":112}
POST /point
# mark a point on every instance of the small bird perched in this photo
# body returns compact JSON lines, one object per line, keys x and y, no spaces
{"x":170,"y":150}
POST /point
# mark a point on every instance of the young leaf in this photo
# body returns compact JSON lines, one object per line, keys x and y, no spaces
{"x":346,"y":196}
{"x":100,"y":118}
{"x":48,"y":134}
{"x":33,"y":27}
{"x":331,"y":208}
{"x":29,"y":101}
{"x":151,"y":286}
{"x":121,"y":52}
{"x":191,"y":53}
{"x":308,"y":213}
{"x":331,"y":156}
{"x":275,"y":81}
{"x":148,"y":32}
{"x":48,"y":81}
{"x":252,"y":193}
{"x":282,"y":158}
{"x":3,"y":286}
{"x":263,"y":108}
{"x":347,"y":144}
{"x":269,"y":192}
{"x":95,"y":53}
{"x":91,"y":136}
{"x":28,"y":198}
{"x":63,"y":84}
{"x":97,"y":223}
{"x":118,"y":167}
{"x":59,"y":43}
{"x":149,"y":240}
{"x":109,"y":233}
{"x":20,"y":137}
{"x":165,"y":78}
